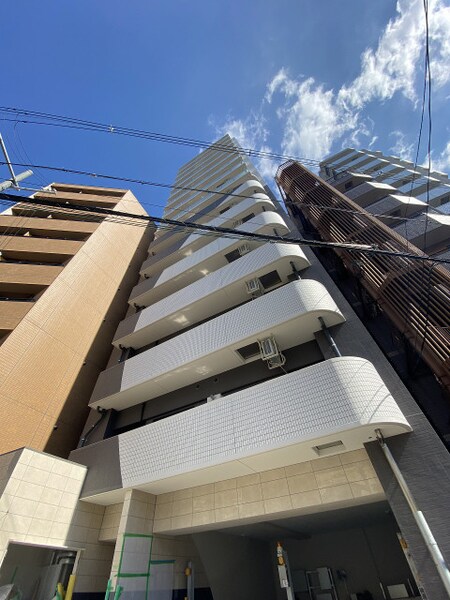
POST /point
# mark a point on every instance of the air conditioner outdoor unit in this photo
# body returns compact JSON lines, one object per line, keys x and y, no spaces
{"x":253,"y":286}
{"x":237,"y":223}
{"x":244,"y":249}
{"x":270,"y":353}
{"x":268,"y":348}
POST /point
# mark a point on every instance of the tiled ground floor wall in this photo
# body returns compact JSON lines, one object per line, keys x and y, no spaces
{"x":39,"y":506}
{"x":135,"y":517}
{"x":343,"y":479}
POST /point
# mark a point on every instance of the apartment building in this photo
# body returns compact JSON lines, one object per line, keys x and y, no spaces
{"x":64,"y":277}
{"x":415,"y":204}
{"x":243,"y":403}
{"x":405,"y":305}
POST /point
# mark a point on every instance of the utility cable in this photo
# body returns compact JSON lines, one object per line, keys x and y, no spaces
{"x":166,"y":185}
{"x":75,"y":123}
{"x":189,"y":225}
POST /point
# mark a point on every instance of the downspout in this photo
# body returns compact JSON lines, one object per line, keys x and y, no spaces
{"x":329,"y":337}
{"x":84,"y":439}
{"x":421,"y":522}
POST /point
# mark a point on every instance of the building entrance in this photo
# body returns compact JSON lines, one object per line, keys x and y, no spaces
{"x":31,"y":572}
{"x":346,"y":554}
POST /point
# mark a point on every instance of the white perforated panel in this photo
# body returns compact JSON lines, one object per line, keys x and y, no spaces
{"x":244,"y":268}
{"x":336,"y":395}
{"x":289,"y":312}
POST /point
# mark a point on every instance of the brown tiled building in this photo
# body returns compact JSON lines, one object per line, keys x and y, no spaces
{"x":65,"y":277}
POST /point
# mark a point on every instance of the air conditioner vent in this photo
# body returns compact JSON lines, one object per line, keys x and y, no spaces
{"x":244,"y":249}
{"x":268,"y":347}
{"x":270,"y":353}
{"x":253,"y":286}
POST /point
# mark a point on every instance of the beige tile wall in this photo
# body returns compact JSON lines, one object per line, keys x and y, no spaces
{"x":110,"y":523}
{"x":137,"y":516}
{"x":44,"y":358}
{"x":305,"y":487}
{"x":40,"y":505}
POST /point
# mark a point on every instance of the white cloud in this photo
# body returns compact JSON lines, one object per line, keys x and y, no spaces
{"x":440,"y":44}
{"x":443,"y":162}
{"x":391,"y":67}
{"x":250,"y":133}
{"x":313,"y":118}
{"x":401,"y":148}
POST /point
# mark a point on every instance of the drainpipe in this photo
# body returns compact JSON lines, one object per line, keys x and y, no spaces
{"x":294,"y":269}
{"x":421,"y":522}
{"x":83,"y":440}
{"x":329,"y":337}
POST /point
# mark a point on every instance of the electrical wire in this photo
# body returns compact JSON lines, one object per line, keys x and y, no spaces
{"x":75,"y":123}
{"x":428,"y":78}
{"x":165,"y":185}
{"x":221,"y":231}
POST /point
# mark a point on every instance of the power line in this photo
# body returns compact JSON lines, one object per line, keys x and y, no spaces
{"x":75,"y":123}
{"x":220,"y":231}
{"x":166,"y":185}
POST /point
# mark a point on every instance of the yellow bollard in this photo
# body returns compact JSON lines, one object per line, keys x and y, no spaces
{"x":70,"y":586}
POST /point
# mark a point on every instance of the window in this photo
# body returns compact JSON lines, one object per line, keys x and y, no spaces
{"x":249,"y":351}
{"x":247,"y":218}
{"x":233,"y":255}
{"x":270,"y":279}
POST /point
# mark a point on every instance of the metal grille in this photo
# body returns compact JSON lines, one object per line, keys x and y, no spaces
{"x":415,"y":295}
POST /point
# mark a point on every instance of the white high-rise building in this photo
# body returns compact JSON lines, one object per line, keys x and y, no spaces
{"x":238,"y":408}
{"x":416,"y":205}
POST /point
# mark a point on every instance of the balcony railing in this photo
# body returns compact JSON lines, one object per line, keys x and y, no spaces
{"x":274,"y":424}
{"x":289,"y":313}
{"x":206,"y":297}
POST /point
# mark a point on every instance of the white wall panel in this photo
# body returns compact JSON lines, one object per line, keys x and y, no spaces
{"x":337,"y":396}
{"x":289,"y":312}
{"x":261,"y":260}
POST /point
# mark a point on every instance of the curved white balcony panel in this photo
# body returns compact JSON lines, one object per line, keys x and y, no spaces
{"x":274,"y":424}
{"x":248,"y":188}
{"x":219,"y":183}
{"x":233,"y":187}
{"x":290,"y":313}
{"x":166,"y":239}
{"x":206,"y":260}
{"x":203,"y":179}
{"x":208,"y":296}
{"x":255,"y":204}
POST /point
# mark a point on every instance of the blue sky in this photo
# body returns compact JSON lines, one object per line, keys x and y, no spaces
{"x":301,"y":77}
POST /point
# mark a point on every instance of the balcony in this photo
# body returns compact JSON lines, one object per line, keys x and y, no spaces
{"x":239,"y":173}
{"x":369,"y":192}
{"x":289,"y":313}
{"x":397,"y":206}
{"x":274,"y":424}
{"x":206,"y":297}
{"x":27,"y":248}
{"x":426,"y":231}
{"x":11,"y":313}
{"x":162,"y":260}
{"x":205,"y":199}
{"x":46,"y":228}
{"x":26,"y":278}
{"x":203,"y":262}
{"x":248,"y":188}
{"x":202,"y":179}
